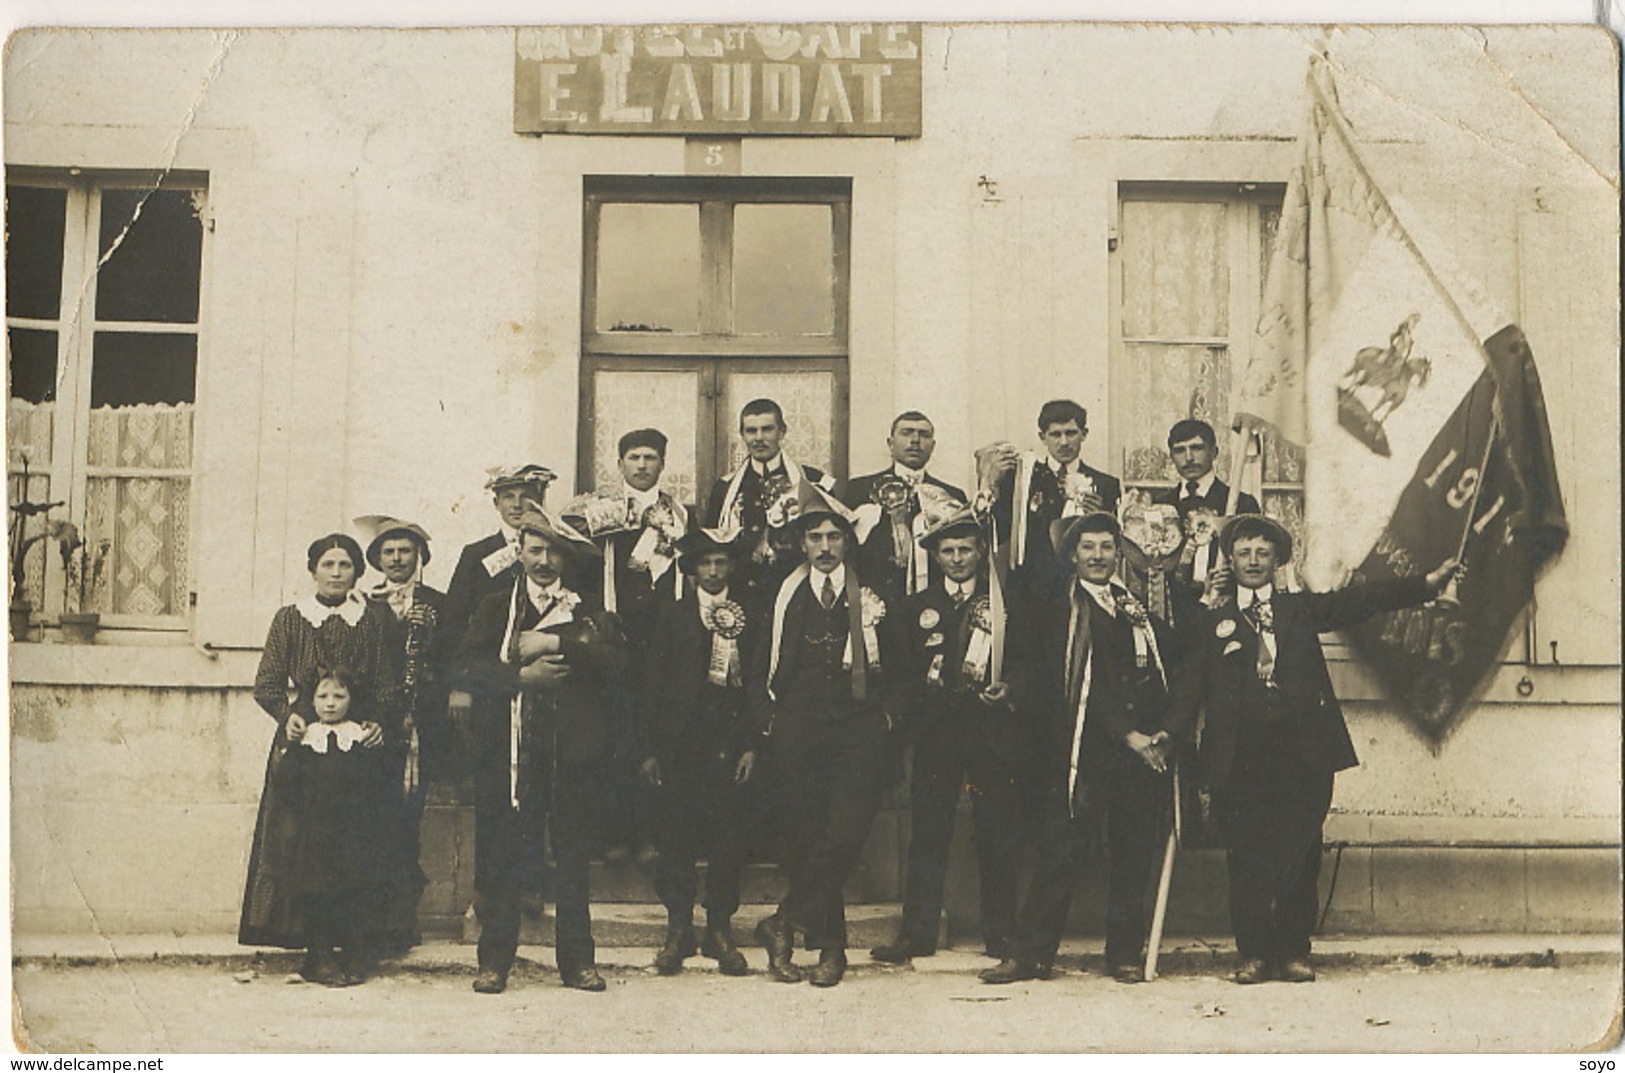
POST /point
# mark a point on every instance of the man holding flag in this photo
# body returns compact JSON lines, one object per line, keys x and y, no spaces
{"x":1274,"y":734}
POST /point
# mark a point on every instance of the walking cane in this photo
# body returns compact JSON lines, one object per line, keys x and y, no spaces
{"x":1163,"y":884}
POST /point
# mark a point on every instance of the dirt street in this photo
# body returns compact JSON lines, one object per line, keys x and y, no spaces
{"x":167,"y":1007}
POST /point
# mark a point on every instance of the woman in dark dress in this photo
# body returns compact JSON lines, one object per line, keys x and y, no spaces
{"x":332,"y":627}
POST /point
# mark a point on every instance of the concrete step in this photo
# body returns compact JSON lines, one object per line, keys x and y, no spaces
{"x":643,"y":924}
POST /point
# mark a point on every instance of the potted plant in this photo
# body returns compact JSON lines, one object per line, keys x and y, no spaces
{"x":22,"y":609}
{"x":84,"y":568}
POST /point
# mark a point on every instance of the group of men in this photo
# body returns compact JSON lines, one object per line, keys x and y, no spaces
{"x":794,"y":639}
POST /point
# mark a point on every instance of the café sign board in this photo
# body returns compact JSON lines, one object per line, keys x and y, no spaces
{"x":848,"y":79}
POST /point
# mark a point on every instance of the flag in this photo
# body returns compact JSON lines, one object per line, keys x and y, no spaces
{"x":1421,"y":414}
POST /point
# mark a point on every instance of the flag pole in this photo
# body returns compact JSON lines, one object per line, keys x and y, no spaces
{"x":1448,"y":597}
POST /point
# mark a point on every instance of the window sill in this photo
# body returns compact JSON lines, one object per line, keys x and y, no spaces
{"x":171,"y":665}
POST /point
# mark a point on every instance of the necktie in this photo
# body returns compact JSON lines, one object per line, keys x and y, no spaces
{"x":1190,"y":489}
{"x":960,"y":593}
{"x":827,"y":597}
{"x":1108,"y":602}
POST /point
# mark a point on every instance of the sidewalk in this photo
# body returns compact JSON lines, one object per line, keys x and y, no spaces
{"x":1480,"y":993}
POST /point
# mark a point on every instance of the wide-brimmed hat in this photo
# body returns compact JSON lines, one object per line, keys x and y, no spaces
{"x":695,"y":544}
{"x":375,"y":528}
{"x":1064,"y":532}
{"x":960,"y":522}
{"x":1257,"y":525}
{"x":814,"y":505}
{"x":500,"y":477}
{"x":538,"y":519}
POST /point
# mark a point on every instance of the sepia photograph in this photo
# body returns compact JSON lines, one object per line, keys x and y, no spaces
{"x":814,"y":537}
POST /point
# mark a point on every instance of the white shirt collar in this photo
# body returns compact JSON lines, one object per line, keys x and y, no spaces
{"x":815,"y":578}
{"x":344,"y":733}
{"x":764,"y":468}
{"x":954,"y":588}
{"x":1203,"y":486}
{"x":641,"y":500}
{"x":1061,"y":469}
{"x":912,"y":476}
{"x":540,"y":597}
{"x":1103,"y":594}
{"x":707,"y":600}
{"x":509,"y":533}
{"x":1246,"y":597}
{"x":315,"y":612}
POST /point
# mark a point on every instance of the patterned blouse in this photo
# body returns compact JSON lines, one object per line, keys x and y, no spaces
{"x":363,"y":639}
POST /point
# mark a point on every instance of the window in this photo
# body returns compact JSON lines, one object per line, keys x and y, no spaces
{"x":700,"y":295}
{"x":102,"y":325}
{"x":1190,"y":271}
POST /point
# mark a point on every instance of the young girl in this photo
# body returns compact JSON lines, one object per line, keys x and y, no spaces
{"x":335,"y":855}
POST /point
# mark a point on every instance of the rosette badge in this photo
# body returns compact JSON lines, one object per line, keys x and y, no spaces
{"x":892,"y":493}
{"x":1201,"y":525}
{"x":725,"y":619}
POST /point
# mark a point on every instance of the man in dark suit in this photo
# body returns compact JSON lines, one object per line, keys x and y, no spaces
{"x":699,"y":747}
{"x":1027,"y":493}
{"x":1274,"y":733}
{"x":491,"y":563}
{"x":820,"y":690}
{"x":892,"y":558}
{"x":965,"y":731}
{"x":752,"y":498}
{"x":1100,"y":688}
{"x":399,"y":550}
{"x":1193,"y":447}
{"x":636,"y":524}
{"x":547,"y":669}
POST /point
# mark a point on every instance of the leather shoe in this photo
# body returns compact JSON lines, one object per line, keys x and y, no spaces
{"x":1128,"y":974}
{"x":1297,"y":971}
{"x":491,"y":982}
{"x":679,"y":945}
{"x":900,"y":950}
{"x":719,"y":944}
{"x":584,"y":978}
{"x":830,"y":968}
{"x":774,"y":935}
{"x":1011,"y":970}
{"x":1252,"y":971}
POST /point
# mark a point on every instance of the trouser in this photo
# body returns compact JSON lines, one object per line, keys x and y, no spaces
{"x":831,"y":774}
{"x":949,"y":755}
{"x":1137,"y":804}
{"x":509,"y":857}
{"x":1271,"y":811}
{"x":703,"y":813}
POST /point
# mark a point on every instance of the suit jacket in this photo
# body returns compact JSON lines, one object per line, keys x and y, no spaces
{"x":585,"y":715}
{"x":1041,"y":573}
{"x":1123,"y":696}
{"x":1219,"y":672}
{"x":938,"y":632}
{"x":470,"y":584}
{"x":882,"y":689}
{"x":637,"y":601}
{"x":875,"y":558}
{"x":678,"y":699}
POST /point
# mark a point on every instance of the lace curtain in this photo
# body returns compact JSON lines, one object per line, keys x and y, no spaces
{"x":145,"y":518}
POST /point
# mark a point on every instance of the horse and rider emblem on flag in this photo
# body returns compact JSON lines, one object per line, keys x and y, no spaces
{"x":1376,"y":385}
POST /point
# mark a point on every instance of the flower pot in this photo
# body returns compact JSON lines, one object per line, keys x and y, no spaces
{"x":79,"y":627}
{"x":21,"y":612}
